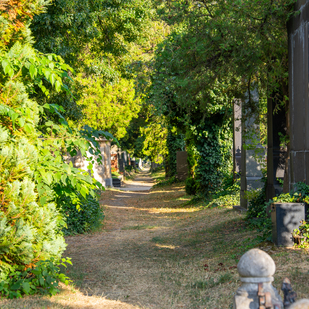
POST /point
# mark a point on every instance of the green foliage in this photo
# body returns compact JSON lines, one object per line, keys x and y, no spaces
{"x":213,"y":156}
{"x":257,"y":202}
{"x":257,"y":216}
{"x":174,"y":142}
{"x":191,"y":186}
{"x":109,"y":107}
{"x":154,"y":145}
{"x":302,"y":234}
{"x":217,"y":52}
{"x":43,"y":278}
{"x":167,"y":182}
{"x":87,"y":218}
{"x":33,"y":172}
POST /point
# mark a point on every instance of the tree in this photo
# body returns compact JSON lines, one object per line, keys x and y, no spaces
{"x":215,"y":53}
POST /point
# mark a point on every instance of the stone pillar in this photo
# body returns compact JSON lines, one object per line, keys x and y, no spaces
{"x":251,"y":173}
{"x":237,"y":139}
{"x":298,"y":89}
{"x":106,"y":147}
{"x":256,"y":267}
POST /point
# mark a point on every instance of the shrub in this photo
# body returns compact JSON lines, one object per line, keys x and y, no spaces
{"x":42,"y":279}
{"x":29,"y":231}
{"x":191,"y":186}
{"x":88,"y":217}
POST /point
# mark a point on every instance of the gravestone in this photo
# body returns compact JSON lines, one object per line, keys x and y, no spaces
{"x":237,"y":139}
{"x":101,"y":172}
{"x":182,"y":165}
{"x":298,"y":88}
{"x":251,"y":173}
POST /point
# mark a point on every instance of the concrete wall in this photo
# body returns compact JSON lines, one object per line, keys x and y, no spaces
{"x":298,"y":88}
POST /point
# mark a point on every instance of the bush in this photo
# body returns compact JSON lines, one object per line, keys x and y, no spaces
{"x":87,"y":218}
{"x":29,"y":231}
{"x":191,"y":186}
{"x":42,"y":279}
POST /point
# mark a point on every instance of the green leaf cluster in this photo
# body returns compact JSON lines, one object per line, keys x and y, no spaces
{"x":42,"y":279}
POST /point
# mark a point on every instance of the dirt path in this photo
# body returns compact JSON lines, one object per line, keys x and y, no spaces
{"x":156,"y":251}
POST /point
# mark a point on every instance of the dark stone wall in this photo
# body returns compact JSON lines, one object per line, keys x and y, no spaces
{"x":299,"y":101}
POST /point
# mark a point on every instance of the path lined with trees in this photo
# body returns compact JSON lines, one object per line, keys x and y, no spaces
{"x":158,"y":251}
{"x":153,"y":77}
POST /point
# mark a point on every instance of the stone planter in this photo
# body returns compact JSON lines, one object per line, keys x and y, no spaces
{"x":285,"y":218}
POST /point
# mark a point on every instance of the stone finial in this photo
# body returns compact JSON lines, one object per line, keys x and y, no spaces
{"x":256,"y":266}
{"x":256,"y":269}
{"x":301,"y":304}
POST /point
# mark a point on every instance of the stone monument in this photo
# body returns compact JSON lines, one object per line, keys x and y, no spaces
{"x":251,"y":156}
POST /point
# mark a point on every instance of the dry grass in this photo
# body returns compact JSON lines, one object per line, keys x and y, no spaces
{"x":157,"y":252}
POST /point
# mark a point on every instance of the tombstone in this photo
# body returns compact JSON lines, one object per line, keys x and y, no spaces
{"x":182,"y":165}
{"x":101,"y":172}
{"x":276,"y":155}
{"x":105,"y":146}
{"x":237,"y":140}
{"x":298,"y":89}
{"x":251,"y":173}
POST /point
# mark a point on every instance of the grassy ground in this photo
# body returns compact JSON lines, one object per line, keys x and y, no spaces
{"x":158,"y":251}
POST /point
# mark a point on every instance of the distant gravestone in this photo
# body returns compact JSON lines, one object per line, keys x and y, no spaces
{"x":101,"y":172}
{"x":251,"y":172}
{"x":237,"y":139}
{"x":298,"y":88}
{"x":182,"y":165}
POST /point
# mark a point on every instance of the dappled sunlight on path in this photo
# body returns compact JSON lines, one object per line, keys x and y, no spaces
{"x":156,"y":250}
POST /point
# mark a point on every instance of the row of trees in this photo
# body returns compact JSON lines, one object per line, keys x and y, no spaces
{"x":64,"y":66}
{"x":215,"y":53}
{"x":158,"y":75}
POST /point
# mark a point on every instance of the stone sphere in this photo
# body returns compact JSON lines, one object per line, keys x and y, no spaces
{"x":256,"y":263}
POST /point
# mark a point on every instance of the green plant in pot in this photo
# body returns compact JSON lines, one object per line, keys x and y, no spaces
{"x":288,"y":215}
{"x":301,"y":235}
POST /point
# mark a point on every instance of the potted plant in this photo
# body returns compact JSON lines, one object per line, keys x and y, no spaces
{"x":287,"y":212}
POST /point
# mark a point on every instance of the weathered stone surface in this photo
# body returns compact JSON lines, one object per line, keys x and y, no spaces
{"x":255,"y":264}
{"x":285,"y":218}
{"x":251,"y":173}
{"x":301,"y":304}
{"x":255,"y":267}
